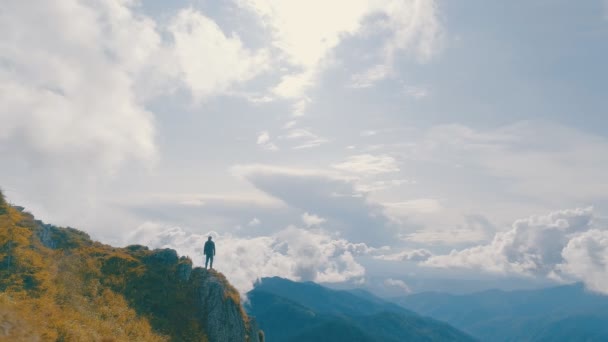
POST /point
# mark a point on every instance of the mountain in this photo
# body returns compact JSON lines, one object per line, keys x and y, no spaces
{"x":305,"y":311}
{"x":563,"y":313}
{"x":56,"y":284}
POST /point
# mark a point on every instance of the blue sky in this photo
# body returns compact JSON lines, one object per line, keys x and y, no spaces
{"x":373,"y":143}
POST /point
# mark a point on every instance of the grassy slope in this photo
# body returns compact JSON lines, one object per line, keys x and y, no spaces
{"x":81,"y":290}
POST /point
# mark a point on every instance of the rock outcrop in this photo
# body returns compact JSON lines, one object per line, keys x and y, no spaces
{"x":221,"y":313}
{"x":70,"y":287}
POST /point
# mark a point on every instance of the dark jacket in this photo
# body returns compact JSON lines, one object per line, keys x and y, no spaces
{"x":209,"y":248}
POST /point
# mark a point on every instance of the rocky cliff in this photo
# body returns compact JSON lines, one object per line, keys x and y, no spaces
{"x":57,"y":284}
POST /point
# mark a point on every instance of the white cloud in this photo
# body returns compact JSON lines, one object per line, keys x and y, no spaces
{"x":368,"y":164}
{"x":416,"y":255}
{"x":254,"y":222}
{"x":209,"y":62}
{"x":564,"y":245}
{"x":419,"y":205}
{"x":410,"y":25}
{"x":417,"y":92}
{"x":291,"y":253}
{"x":264,"y":141}
{"x":263,"y":138}
{"x":371,"y":186}
{"x":397,"y":283}
{"x":67,"y":82}
{"x":290,"y":124}
{"x":451,"y":236}
{"x":311,"y":220}
{"x":586,"y":258}
{"x":331,"y":196}
{"x":527,"y":158}
{"x":304,"y":138}
{"x":369,"y":77}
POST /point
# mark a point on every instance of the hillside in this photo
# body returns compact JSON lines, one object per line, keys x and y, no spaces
{"x":294,"y":311}
{"x":563,"y":313}
{"x":56,"y":284}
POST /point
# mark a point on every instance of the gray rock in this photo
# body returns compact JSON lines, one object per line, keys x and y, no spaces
{"x":165,"y":256}
{"x":222,"y":318}
{"x":45,"y":235}
{"x":184,"y":269}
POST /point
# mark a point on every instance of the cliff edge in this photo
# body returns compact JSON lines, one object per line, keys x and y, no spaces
{"x":57,"y":284}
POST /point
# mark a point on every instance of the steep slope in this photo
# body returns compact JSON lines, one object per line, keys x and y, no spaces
{"x":292,"y":311}
{"x":562,"y":313}
{"x":57,"y":284}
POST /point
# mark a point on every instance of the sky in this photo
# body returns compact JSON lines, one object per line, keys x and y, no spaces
{"x":394,"y":145}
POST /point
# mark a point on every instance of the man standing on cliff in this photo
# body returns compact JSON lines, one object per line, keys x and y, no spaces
{"x":209,"y":252}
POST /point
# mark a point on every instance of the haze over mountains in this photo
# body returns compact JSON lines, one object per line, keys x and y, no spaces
{"x":564,"y":313}
{"x":295,"y":311}
{"x":305,"y":311}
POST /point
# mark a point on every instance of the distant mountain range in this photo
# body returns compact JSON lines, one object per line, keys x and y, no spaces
{"x":305,"y":311}
{"x":564,"y":313}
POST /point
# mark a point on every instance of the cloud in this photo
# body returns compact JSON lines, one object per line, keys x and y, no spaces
{"x":311,"y":220}
{"x":291,"y":253}
{"x":264,"y":141}
{"x":420,"y":205}
{"x":417,"y":92}
{"x":328,"y":195}
{"x":68,"y":83}
{"x":369,"y":77}
{"x":563,"y":245}
{"x":221,"y":213}
{"x":304,"y":138}
{"x":254,"y":222}
{"x":474,"y":229}
{"x":416,"y":255}
{"x":368,"y":164}
{"x":527,"y":158}
{"x":586,"y":258}
{"x":398,"y":283}
{"x":408,"y":26}
{"x":208,"y":61}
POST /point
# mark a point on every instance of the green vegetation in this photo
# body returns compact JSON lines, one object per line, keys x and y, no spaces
{"x":56,"y":284}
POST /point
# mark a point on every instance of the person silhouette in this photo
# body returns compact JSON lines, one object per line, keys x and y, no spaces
{"x":209,"y":252}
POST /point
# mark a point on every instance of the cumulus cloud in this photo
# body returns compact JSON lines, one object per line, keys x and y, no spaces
{"x":563,"y":245}
{"x":416,"y":255}
{"x":410,"y":26}
{"x":254,"y":222}
{"x":311,"y":220}
{"x":368,"y":164}
{"x":328,"y":195}
{"x":67,"y":82}
{"x":292,"y":253}
{"x":264,"y":141}
{"x":208,"y":61}
{"x":399,"y":284}
{"x":74,"y":85}
{"x":586,"y":257}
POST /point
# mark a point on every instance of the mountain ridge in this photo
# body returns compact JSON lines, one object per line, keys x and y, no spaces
{"x":304,"y":311}
{"x":561,"y":313}
{"x":58,"y":284}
